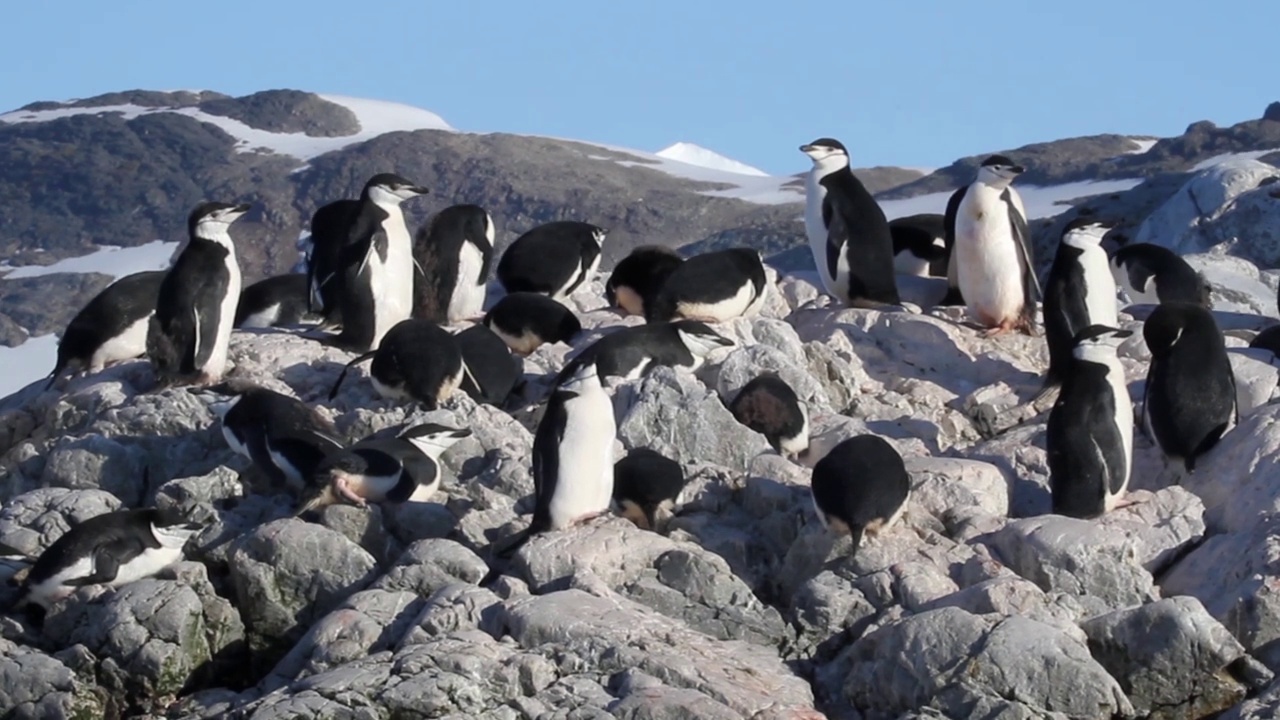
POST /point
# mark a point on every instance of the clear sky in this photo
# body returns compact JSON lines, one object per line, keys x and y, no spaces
{"x":900,"y":83}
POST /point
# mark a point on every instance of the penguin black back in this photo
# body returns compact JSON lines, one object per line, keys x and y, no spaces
{"x":437,"y":247}
{"x":855,"y":220}
{"x":708,"y":287}
{"x":646,"y":484}
{"x":554,"y":258}
{"x":861,"y":486}
{"x":1268,"y":339}
{"x":526,"y":320}
{"x":1175,"y":280}
{"x":638,"y":277}
{"x":1079,"y":292}
{"x":329,"y":236}
{"x":918,"y":235}
{"x":416,"y":358}
{"x":634,"y":351}
{"x":490,"y":363}
{"x":110,"y":314}
{"x":278,"y":300}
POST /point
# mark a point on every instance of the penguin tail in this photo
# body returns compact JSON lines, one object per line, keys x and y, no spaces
{"x":855,"y":540}
{"x":57,"y":372}
{"x":343,"y":376}
{"x":501,"y":553}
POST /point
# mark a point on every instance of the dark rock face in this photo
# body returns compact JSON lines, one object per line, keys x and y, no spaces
{"x":1272,"y":112}
{"x":287,"y":111}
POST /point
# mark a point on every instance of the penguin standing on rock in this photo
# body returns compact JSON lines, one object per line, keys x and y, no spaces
{"x":188,"y":336}
{"x":638,"y":277}
{"x":1190,"y":400}
{"x":553,"y":259}
{"x":525,"y":321}
{"x":453,"y":252}
{"x":848,"y":233}
{"x":112,"y":327}
{"x":633,"y":352}
{"x":712,"y":287}
{"x":646,"y":487}
{"x":1150,"y":274}
{"x":861,"y":486}
{"x":274,"y":301}
{"x":330,"y":226}
{"x":1080,"y":292}
{"x":991,"y":251}
{"x":770,"y":407}
{"x":417,"y":360}
{"x":1090,"y":433}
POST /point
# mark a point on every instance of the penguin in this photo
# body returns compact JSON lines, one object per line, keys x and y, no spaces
{"x":283,"y":437}
{"x":553,"y":259}
{"x":632,"y":352}
{"x":1268,"y":339}
{"x":861,"y":486}
{"x":646,"y":487}
{"x":1090,"y":433}
{"x":111,"y":328}
{"x":377,"y":264}
{"x":112,"y":549}
{"x":1190,"y":398}
{"x":492,"y":372}
{"x":848,"y":233}
{"x":416,"y":360}
{"x":770,"y":407}
{"x":991,"y":252}
{"x":1079,"y":292}
{"x":639,"y":276}
{"x":453,"y":253}
{"x":525,"y":321}
{"x":273,"y":301}
{"x":919,"y":245}
{"x":1150,"y":274}
{"x":405,"y":468}
{"x":329,"y":232}
{"x":711,"y":287}
{"x":188,"y":337}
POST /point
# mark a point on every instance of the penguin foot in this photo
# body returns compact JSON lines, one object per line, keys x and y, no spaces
{"x":348,"y":493}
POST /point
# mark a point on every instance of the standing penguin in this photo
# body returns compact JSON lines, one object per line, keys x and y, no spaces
{"x":770,"y":407}
{"x":1079,"y":293}
{"x":712,"y":287}
{"x":919,"y":245}
{"x":273,"y":301}
{"x":453,"y":251}
{"x":638,"y":277}
{"x":632,"y":352}
{"x":112,"y":327}
{"x":991,"y":256}
{"x":377,"y":264}
{"x":847,"y":230}
{"x":1090,"y":433}
{"x":1190,"y":400}
{"x":554,"y":259}
{"x":1150,"y":274}
{"x":188,"y":336}
{"x":330,"y":226}
{"x":861,"y":486}
{"x":417,"y":360}
{"x":525,"y":321}
{"x":646,"y":486}
{"x":492,"y":372}
{"x":112,"y":549}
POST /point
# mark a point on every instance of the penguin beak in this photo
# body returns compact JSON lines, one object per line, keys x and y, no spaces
{"x":461,"y":433}
{"x":806,"y":148}
{"x":417,"y":190}
{"x":1017,"y":169}
{"x":242,"y":208}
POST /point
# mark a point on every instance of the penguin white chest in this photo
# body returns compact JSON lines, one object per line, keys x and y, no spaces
{"x":264,"y":318}
{"x":392,"y":281}
{"x":467,"y":298}
{"x":1124,"y":421}
{"x":130,"y":343}
{"x":584,"y":482}
{"x":988,"y":268}
{"x":226,"y":319}
{"x":148,"y":563}
{"x":1099,"y":288}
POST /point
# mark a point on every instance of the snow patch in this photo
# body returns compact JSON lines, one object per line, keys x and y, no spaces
{"x":1226,"y":158}
{"x":110,"y":260}
{"x":27,"y":363}
{"x":1141,"y":146}
{"x":1040,"y":201}
{"x":691,"y":154}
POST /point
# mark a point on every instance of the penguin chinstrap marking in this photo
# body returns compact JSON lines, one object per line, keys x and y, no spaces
{"x":525,"y":321}
{"x":377,"y":264}
{"x":769,"y":406}
{"x":284,"y":437}
{"x":1079,"y":293}
{"x":112,"y":549}
{"x":860,"y":487}
{"x":329,"y":236}
{"x":492,"y":372}
{"x":712,"y":287}
{"x":919,"y":245}
{"x":188,"y":337}
{"x":111,"y":328}
{"x":404,"y":468}
{"x":553,"y":259}
{"x":454,"y":252}
{"x":646,"y":487}
{"x":1090,"y":432}
{"x":633,"y":352}
{"x":848,"y":233}
{"x":1190,"y":398}
{"x":991,"y":255}
{"x":416,"y":360}
{"x":275,"y":301}
{"x":638,"y":277}
{"x":1150,"y":274}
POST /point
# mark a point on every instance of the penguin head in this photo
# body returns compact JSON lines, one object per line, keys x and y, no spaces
{"x":210,"y":219}
{"x":1167,"y":323}
{"x":432,"y":439}
{"x":391,"y":189}
{"x":700,"y":338}
{"x":170,"y":528}
{"x":999,"y":171}
{"x":583,"y":374}
{"x":599,"y":234}
{"x":827,"y":153}
{"x":1098,"y":342}
{"x":1086,"y":232}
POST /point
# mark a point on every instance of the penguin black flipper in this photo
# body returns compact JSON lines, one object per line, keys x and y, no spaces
{"x":206,"y":296}
{"x":1022,"y":234}
{"x":953,"y":296}
{"x":837,"y":233}
{"x":333,"y":393}
{"x":107,"y":560}
{"x":546,"y":458}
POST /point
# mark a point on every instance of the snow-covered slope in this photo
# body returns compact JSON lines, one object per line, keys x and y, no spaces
{"x":1040,"y":201}
{"x":110,"y":260}
{"x":691,"y":154}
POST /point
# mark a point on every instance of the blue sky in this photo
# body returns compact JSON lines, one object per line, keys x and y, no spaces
{"x":912,"y":83}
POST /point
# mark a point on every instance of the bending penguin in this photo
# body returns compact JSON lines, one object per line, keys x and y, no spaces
{"x":525,"y":321}
{"x":1190,"y":399}
{"x":274,"y":301}
{"x":417,"y":360}
{"x":1090,"y":432}
{"x":491,"y":371}
{"x":553,"y":259}
{"x":633,"y":352}
{"x":847,"y":230}
{"x":111,"y":328}
{"x":454,"y":252}
{"x":329,"y":233}
{"x":188,"y":336}
{"x":646,"y":487}
{"x":861,"y":486}
{"x":1079,"y":293}
{"x":919,"y":245}
{"x":770,"y":407}
{"x":991,"y":262}
{"x":112,"y":549}
{"x":1150,"y":274}
{"x":638,"y":277}
{"x":711,"y":287}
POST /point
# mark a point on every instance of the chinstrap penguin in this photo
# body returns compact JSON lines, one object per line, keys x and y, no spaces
{"x":861,"y":486}
{"x":1079,"y":293}
{"x":848,"y":233}
{"x":638,"y":277}
{"x":711,"y":287}
{"x":111,"y":328}
{"x":330,"y":225}
{"x":188,"y":337}
{"x":1150,"y":274}
{"x":633,"y":352}
{"x":275,"y":301}
{"x":492,"y":372}
{"x":454,"y":252}
{"x":417,"y":360}
{"x":525,"y":321}
{"x":919,"y":245}
{"x":1090,"y":433}
{"x":770,"y":407}
{"x":646,"y":487}
{"x":553,"y":259}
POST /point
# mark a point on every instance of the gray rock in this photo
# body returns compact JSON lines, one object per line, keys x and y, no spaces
{"x":36,"y":685}
{"x":96,"y":462}
{"x":428,"y":565}
{"x":34,"y":520}
{"x":1255,"y":376}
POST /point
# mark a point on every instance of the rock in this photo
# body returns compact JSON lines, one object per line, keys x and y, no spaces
{"x":1235,"y":478}
{"x":1240,"y":291}
{"x":746,"y":364}
{"x":1272,"y":112}
{"x":96,"y":462}
{"x":36,"y":685}
{"x":34,"y":520}
{"x":429,"y":565}
{"x":940,"y":484}
{"x":1256,"y":378}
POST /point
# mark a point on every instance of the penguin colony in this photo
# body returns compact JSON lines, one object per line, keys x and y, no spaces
{"x":421,"y":309}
